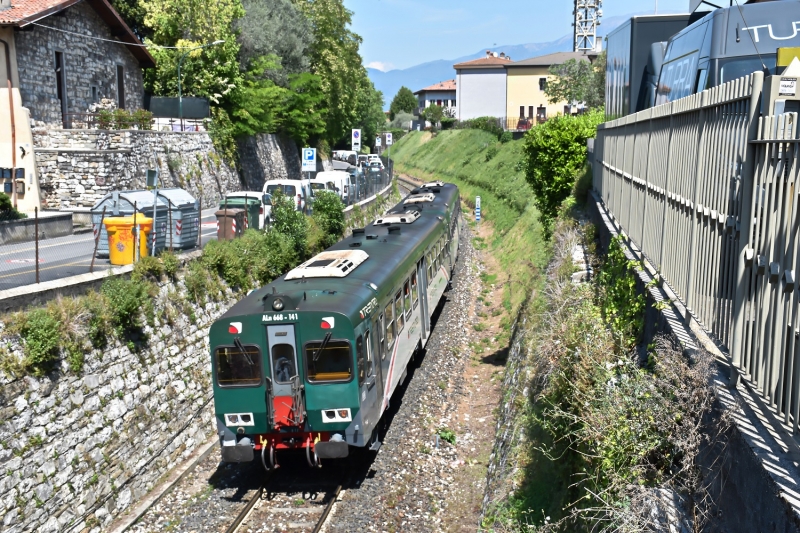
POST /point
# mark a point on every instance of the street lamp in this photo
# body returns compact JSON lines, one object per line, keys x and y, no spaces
{"x":180,"y":60}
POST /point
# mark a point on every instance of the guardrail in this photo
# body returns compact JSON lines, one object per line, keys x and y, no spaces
{"x":706,"y":190}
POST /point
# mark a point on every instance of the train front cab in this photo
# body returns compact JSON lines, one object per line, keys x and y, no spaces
{"x":293,"y":381}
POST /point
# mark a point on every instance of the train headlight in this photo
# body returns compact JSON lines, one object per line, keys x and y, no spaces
{"x":330,"y":414}
{"x":277,"y":304}
{"x":239,"y":419}
{"x":344,"y":413}
{"x":232,"y":419}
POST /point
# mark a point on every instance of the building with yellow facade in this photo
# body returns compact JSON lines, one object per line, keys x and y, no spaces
{"x":526,"y":80}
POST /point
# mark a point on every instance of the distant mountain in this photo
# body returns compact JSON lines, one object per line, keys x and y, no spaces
{"x":425,"y":74}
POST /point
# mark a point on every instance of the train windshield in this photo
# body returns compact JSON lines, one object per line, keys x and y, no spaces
{"x":333,"y":363}
{"x":238,"y":366}
{"x":731,"y":69}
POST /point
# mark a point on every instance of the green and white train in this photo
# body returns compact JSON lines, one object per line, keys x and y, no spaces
{"x":310,"y":361}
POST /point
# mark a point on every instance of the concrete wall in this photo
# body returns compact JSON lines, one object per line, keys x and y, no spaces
{"x":267,"y":157}
{"x":78,"y":167}
{"x":481,"y":92}
{"x":523,"y":90}
{"x":87,"y":63}
{"x":50,"y":226}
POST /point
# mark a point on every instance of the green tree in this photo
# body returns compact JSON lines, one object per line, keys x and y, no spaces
{"x":402,"y":120}
{"x":432,"y":114}
{"x":335,"y":59}
{"x":578,"y":81}
{"x":275,"y":28}
{"x":329,"y":216}
{"x":369,"y":111}
{"x":554,"y":154}
{"x":133,"y":13}
{"x":403,"y":101}
{"x":291,"y":223}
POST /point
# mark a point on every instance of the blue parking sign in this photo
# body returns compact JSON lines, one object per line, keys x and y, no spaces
{"x":309,"y":159}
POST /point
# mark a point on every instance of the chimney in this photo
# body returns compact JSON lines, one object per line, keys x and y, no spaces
{"x":5,"y":4}
{"x":502,"y":55}
{"x":488,"y":52}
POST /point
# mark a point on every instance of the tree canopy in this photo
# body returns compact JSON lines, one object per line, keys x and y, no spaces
{"x":290,"y":66}
{"x":403,"y":101}
{"x":578,"y":81}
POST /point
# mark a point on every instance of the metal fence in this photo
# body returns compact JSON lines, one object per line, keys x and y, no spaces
{"x":707,"y":191}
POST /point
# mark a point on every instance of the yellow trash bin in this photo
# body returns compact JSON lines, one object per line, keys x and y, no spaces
{"x":121,"y":238}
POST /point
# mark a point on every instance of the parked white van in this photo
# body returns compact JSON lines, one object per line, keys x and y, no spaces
{"x":298,"y":190}
{"x":340,"y":180}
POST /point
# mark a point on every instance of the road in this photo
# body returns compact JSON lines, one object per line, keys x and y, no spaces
{"x":64,"y":256}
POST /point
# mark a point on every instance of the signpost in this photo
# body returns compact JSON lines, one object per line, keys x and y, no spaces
{"x":477,"y":209}
{"x":356,"y":140}
{"x":309,"y":160}
{"x":151,"y":180}
{"x":389,"y":151}
{"x":378,"y":142}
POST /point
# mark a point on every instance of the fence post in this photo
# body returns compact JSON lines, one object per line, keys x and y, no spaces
{"x":169,"y":223}
{"x":745,"y":229}
{"x":695,"y":215}
{"x":36,"y":239}
{"x":97,"y":239}
{"x":135,"y":235}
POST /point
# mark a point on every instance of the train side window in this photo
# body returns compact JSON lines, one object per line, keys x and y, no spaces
{"x":368,"y":356}
{"x":430,"y":269}
{"x":407,"y":296}
{"x":237,"y":367}
{"x":414,"y":289}
{"x":398,"y":310}
{"x":388,"y":312}
{"x":360,"y":364}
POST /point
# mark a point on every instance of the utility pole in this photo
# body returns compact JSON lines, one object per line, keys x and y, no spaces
{"x":587,"y":18}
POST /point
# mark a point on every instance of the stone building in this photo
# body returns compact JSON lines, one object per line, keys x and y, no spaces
{"x":63,"y":65}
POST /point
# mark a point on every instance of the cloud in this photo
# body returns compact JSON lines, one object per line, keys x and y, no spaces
{"x":379,"y":65}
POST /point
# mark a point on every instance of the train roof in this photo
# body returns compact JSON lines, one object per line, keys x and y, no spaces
{"x":369,"y":264}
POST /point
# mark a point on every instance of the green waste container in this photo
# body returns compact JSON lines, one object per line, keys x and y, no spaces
{"x":251,"y":206}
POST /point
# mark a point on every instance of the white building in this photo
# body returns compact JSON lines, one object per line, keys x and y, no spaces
{"x":442,"y":94}
{"x":481,"y":86}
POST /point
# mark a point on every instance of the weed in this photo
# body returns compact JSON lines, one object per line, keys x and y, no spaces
{"x":480,"y":326}
{"x":446,"y":434}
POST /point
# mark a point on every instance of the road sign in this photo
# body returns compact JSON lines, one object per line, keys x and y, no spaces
{"x":377,"y":142}
{"x":151,"y":178}
{"x":388,"y":139}
{"x":309,"y":160}
{"x":356,"y":140}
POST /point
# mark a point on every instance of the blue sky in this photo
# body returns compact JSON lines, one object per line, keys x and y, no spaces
{"x":403,"y":33}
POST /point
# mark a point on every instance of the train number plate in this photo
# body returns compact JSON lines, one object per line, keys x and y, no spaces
{"x":280,"y":317}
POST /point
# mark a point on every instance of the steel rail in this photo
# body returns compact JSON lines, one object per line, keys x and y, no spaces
{"x":247,"y":508}
{"x":327,"y":510}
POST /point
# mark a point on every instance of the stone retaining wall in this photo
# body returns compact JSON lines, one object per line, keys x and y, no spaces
{"x":267,"y":157}
{"x":78,"y":167}
{"x":75,"y":451}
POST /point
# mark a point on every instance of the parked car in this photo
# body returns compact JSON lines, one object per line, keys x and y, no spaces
{"x":372,"y":158}
{"x":340,"y":180}
{"x":299,"y":191}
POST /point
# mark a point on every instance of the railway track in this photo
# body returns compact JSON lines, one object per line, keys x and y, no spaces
{"x":290,"y":503}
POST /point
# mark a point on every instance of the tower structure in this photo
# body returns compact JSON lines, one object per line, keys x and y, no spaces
{"x":587,"y":18}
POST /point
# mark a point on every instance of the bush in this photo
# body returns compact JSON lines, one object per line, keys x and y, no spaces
{"x":100,"y":319}
{"x":197,"y":282}
{"x":329,"y":216}
{"x":105,"y":119}
{"x":448,"y":123}
{"x":7,"y":210}
{"x":506,"y":136}
{"x":290,"y":222}
{"x":41,"y":332}
{"x":490,"y":124}
{"x":143,"y":119}
{"x":148,"y":268}
{"x":170,"y":262}
{"x":126,"y":301}
{"x":122,"y":119}
{"x":490,"y":153}
{"x":554,"y":154}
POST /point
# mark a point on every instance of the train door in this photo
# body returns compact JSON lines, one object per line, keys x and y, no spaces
{"x":422,"y":287}
{"x":368,"y":382}
{"x":287,"y":399}
{"x":377,"y":351}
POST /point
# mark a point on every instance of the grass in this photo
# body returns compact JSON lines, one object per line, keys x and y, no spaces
{"x":459,"y":156}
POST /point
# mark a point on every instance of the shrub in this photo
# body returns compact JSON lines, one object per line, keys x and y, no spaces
{"x":126,"y":301}
{"x":490,"y":153}
{"x":448,"y":123}
{"x":554,"y":153}
{"x":147,"y":268}
{"x":506,"y":136}
{"x":122,"y":119}
{"x":143,"y":119}
{"x":7,"y":210}
{"x":490,"y":124}
{"x":100,"y":319}
{"x":105,"y":119}
{"x":292,"y":223}
{"x":197,"y":281}
{"x":329,"y":216}
{"x":170,"y":262}
{"x":41,"y":332}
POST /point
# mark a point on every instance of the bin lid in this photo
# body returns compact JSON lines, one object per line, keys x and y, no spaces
{"x":240,"y":200}
{"x":125,"y":200}
{"x":177,"y":197}
{"x":228,"y":212}
{"x":128,"y":221}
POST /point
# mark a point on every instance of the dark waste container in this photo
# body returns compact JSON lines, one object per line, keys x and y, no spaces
{"x":251,"y":206}
{"x":230,"y":223}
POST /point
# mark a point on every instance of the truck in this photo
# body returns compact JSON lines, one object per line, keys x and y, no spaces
{"x":630,"y":85}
